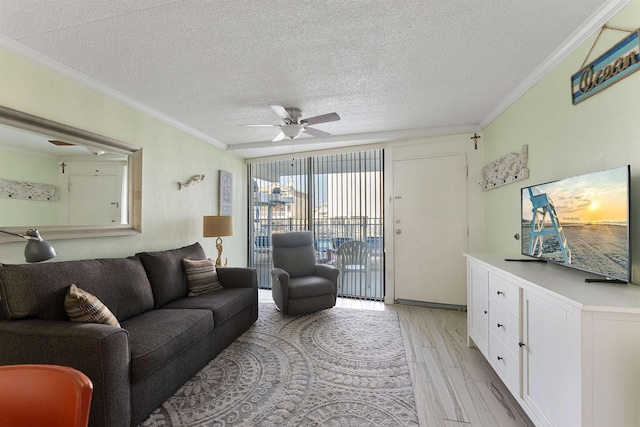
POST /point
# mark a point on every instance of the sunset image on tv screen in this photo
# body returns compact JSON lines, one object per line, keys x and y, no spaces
{"x":581,"y":222}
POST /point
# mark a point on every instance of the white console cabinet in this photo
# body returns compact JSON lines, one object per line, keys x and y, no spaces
{"x":568,"y":351}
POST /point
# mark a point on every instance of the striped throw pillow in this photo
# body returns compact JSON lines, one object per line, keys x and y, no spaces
{"x":201,"y":276}
{"x":81,"y":306}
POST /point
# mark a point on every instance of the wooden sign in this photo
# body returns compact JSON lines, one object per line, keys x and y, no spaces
{"x":615,"y":64}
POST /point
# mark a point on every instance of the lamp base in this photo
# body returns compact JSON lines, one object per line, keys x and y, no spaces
{"x":219,"y":248}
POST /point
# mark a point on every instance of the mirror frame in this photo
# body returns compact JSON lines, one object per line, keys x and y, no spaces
{"x":28,"y":122}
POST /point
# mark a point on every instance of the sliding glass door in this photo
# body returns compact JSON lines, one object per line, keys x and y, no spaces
{"x":339,"y":198}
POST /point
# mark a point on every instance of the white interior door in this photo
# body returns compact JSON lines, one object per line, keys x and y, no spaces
{"x":95,"y":199}
{"x":430,"y":229}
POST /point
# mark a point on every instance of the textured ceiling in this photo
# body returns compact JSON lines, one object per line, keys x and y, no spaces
{"x":390,"y":69}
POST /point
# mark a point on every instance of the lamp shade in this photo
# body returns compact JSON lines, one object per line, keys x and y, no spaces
{"x":38,"y":251}
{"x":217,"y":226}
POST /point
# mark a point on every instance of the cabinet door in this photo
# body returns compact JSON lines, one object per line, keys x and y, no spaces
{"x":615,"y":383}
{"x":478,"y":309}
{"x":551,"y":360}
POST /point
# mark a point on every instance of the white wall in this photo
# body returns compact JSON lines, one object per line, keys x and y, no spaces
{"x":566,"y":140}
{"x":21,"y":167}
{"x":171,"y":218}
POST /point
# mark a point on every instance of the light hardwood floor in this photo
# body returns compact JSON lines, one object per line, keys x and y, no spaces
{"x":453,"y":384}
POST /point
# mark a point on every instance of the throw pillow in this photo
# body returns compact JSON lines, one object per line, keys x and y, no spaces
{"x":81,"y":306}
{"x":201,"y":276}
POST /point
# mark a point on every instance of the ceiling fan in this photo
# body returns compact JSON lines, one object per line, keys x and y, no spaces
{"x":60,"y":143}
{"x":294,"y":125}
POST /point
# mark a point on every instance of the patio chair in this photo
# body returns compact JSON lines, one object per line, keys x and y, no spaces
{"x":354,"y":256}
{"x":339,"y":241}
{"x":299,"y":285}
{"x":44,"y":395}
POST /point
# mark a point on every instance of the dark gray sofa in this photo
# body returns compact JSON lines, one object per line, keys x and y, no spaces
{"x":164,"y":339}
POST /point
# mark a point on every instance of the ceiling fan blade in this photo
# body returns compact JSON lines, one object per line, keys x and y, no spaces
{"x":280,"y":137}
{"x":316,"y":132}
{"x":281,"y":112}
{"x":324,"y":118}
{"x":60,"y":143}
{"x":261,"y":126}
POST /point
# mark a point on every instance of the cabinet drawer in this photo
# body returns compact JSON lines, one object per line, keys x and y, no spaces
{"x":505,"y":362}
{"x":505,"y":326}
{"x":505,"y":294}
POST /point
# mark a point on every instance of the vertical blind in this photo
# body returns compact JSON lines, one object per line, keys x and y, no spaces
{"x":338,"y":197}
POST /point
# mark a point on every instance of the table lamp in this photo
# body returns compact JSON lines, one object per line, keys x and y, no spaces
{"x":218,"y":226}
{"x":37,"y":249}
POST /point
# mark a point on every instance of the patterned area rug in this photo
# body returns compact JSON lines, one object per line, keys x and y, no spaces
{"x":337,"y":367}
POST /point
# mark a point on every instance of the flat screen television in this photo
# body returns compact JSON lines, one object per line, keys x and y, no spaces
{"x":581,"y":222}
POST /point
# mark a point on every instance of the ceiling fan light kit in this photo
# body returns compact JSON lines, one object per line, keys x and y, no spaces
{"x":293,"y":124}
{"x":292,"y":131}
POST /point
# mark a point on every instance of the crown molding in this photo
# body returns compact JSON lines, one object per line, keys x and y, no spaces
{"x":103,"y":89}
{"x":579,"y":36}
{"x":362,"y":138}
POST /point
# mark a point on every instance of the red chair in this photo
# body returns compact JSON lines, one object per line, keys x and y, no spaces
{"x":44,"y":395}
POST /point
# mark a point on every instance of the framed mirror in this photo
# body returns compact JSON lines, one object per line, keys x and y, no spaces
{"x":66,"y":182}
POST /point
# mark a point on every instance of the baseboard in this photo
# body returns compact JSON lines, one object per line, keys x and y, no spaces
{"x":432,"y":304}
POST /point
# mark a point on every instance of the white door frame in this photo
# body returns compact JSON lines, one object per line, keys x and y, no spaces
{"x":434,"y":147}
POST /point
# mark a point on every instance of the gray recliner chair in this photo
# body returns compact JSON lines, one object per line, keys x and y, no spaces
{"x":300,"y":285}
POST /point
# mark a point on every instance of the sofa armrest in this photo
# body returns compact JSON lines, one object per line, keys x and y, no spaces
{"x":238,"y":277}
{"x":99,"y":351}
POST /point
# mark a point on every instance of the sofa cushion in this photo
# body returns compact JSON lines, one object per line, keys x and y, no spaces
{"x":81,"y":306}
{"x":165,"y":272}
{"x":224,"y":303}
{"x":201,"y":276}
{"x":157,"y":336}
{"x":38,"y":290}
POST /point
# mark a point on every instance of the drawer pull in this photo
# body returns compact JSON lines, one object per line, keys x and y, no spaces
{"x":500,"y":325}
{"x":500,"y":293}
{"x":521,"y":344}
{"x":500,"y":358}
{"x":485,"y":312}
